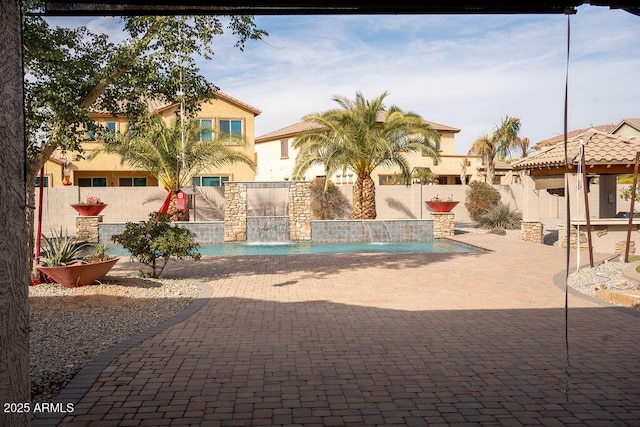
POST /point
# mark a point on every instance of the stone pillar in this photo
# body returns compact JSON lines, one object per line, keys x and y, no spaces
{"x":300,"y":211}
{"x":443,"y":224}
{"x":87,"y":228}
{"x":235,"y":212}
{"x":532,"y":231}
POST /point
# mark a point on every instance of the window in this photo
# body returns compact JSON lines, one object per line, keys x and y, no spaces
{"x":284,"y":149}
{"x":91,"y":132}
{"x":132,"y":182}
{"x":206,"y":129}
{"x":45,"y":181}
{"x":230,"y":129}
{"x":111,"y":127}
{"x":92,"y":182}
{"x":209,"y":181}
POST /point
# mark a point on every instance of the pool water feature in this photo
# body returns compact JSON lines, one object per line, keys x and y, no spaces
{"x":268,"y":229}
{"x":311,"y":248}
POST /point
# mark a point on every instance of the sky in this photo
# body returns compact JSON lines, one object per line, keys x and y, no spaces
{"x":463,"y":71}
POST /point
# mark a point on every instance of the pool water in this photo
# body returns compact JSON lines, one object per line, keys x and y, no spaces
{"x":310,"y":248}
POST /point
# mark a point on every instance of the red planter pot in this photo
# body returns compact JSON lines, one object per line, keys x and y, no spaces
{"x":441,"y":206}
{"x":88,"y":210}
{"x":73,"y":276}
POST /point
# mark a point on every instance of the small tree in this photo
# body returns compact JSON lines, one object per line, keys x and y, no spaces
{"x":481,"y":197}
{"x":327,"y":201}
{"x":156,"y":241}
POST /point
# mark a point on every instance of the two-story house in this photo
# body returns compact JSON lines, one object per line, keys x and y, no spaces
{"x":276,"y":158}
{"x":223,"y":114}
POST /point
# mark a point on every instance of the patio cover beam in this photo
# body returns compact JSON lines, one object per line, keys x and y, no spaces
{"x":591,"y":170}
{"x":304,"y":7}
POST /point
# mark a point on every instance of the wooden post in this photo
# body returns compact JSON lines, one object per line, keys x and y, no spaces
{"x":633,"y":200}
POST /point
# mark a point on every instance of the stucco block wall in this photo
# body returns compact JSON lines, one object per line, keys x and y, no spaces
{"x":392,"y":202}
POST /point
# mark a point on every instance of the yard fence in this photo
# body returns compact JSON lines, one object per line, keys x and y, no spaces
{"x":392,"y":202}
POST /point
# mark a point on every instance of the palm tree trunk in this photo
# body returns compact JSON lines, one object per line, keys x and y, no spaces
{"x":491,"y":172}
{"x":364,"y":198}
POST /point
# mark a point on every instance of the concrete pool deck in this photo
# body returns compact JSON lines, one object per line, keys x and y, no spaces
{"x":375,"y":339}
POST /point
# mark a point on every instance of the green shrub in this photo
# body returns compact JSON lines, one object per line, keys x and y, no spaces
{"x":328,"y":203}
{"x":481,"y":197}
{"x":157,"y":241}
{"x":500,"y":217}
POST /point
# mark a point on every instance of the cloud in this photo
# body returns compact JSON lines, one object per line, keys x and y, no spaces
{"x":465,"y":71}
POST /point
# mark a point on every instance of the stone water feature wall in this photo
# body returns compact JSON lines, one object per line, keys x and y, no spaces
{"x":235,"y":212}
{"x":376,"y":231}
{"x":207,"y":232}
{"x":300,"y":211}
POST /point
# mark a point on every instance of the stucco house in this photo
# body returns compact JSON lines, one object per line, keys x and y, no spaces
{"x":276,"y":158}
{"x":223,"y":114}
{"x":628,"y":128}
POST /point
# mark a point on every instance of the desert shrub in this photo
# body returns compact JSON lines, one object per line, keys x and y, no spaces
{"x":481,"y":197}
{"x":329,"y":202}
{"x":500,"y":217}
{"x":156,"y":241}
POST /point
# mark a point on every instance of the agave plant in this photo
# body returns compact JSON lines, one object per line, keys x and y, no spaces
{"x":60,"y":249}
{"x":99,"y":253}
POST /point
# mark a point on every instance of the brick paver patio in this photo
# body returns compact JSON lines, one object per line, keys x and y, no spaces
{"x":377,"y":339}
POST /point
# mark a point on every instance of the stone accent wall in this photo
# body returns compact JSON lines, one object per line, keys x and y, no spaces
{"x":443,"y":224}
{"x":300,"y":211}
{"x":235,"y":212}
{"x":87,"y":228}
{"x":574,"y":237}
{"x":532,"y":231}
{"x":621,"y":246}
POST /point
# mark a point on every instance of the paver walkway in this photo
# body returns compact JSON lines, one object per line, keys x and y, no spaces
{"x":379,"y":339}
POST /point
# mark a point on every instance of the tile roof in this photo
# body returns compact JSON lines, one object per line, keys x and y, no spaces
{"x":633,"y":122}
{"x":155,"y":105}
{"x":218,"y":95}
{"x":292,"y":130}
{"x":600,"y":149}
{"x":497,"y":165}
{"x":560,"y":138}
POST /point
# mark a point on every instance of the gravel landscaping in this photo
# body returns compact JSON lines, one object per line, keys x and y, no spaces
{"x":71,"y":326}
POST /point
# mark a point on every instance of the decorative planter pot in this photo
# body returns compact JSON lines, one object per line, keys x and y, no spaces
{"x":89,"y":210}
{"x":73,"y":276}
{"x":441,"y":206}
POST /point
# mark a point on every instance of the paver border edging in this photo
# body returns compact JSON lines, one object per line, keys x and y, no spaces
{"x":80,"y":384}
{"x":559,"y":281}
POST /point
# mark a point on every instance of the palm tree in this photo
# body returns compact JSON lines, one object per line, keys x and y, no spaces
{"x":522,"y":145}
{"x":361,"y":135}
{"x":498,"y":144}
{"x":153,"y":146}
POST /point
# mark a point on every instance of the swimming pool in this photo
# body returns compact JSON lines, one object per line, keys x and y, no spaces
{"x":310,"y":248}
